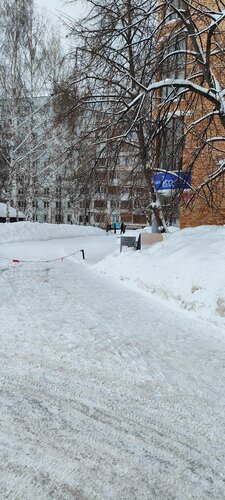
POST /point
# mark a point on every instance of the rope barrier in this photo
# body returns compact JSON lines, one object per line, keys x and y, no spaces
{"x":45,"y":261}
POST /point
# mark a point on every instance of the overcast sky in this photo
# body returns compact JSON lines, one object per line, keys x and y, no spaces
{"x":57,"y":8}
{"x":54,"y":7}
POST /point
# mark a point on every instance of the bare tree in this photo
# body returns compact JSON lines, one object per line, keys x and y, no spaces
{"x":26,"y":77}
{"x":113,"y":56}
{"x":156,"y":70}
{"x":189,"y":94}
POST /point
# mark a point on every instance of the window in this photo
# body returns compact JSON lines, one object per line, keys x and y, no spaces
{"x":115,"y":204}
{"x":125,"y":218}
{"x":68,"y":204}
{"x":46,"y":204}
{"x":46,"y":191}
{"x":126,"y":205}
{"x":100,"y":189}
{"x":139,"y":219}
{"x":101,"y":161}
{"x":115,"y":218}
{"x":170,"y":14}
{"x":114,"y":190}
{"x":45,"y":217}
{"x":100,"y":175}
{"x":173,"y":63}
{"x":99,"y":218}
{"x":171,"y":144}
{"x":100,"y":204}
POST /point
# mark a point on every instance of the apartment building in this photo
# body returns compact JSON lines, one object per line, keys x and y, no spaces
{"x":192,"y":139}
{"x":113,"y":197}
{"x":92,"y":186}
{"x":108,"y":184}
{"x":31,"y":161}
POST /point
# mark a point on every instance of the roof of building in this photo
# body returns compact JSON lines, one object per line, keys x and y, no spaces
{"x":12,"y":212}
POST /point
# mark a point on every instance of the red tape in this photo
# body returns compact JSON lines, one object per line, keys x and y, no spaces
{"x":50,"y":260}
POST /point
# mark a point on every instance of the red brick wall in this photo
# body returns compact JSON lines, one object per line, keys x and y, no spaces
{"x":209,"y":205}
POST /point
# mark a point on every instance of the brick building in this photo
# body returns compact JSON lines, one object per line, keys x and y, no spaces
{"x":108,"y":184}
{"x":112,"y":196}
{"x":193,"y":138}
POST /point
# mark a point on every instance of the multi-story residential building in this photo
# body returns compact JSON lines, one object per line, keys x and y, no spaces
{"x":113,"y":196}
{"x":29,"y":161}
{"x":192,"y":139}
{"x":60,"y":194}
{"x":107,"y":184}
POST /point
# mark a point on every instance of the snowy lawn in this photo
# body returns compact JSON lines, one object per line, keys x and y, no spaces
{"x":106,"y":392}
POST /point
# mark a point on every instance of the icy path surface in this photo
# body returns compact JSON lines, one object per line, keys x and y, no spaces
{"x":104,"y":393}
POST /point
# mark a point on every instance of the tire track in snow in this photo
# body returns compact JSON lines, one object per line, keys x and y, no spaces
{"x":92,"y":408}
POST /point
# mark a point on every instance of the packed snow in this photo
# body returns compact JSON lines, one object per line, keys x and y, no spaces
{"x":112,"y":368}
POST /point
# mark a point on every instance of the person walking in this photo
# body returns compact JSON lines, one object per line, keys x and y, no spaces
{"x":122,"y":228}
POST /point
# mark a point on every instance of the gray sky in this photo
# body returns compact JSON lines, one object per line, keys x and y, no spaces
{"x":53,"y":7}
{"x":56,"y":8}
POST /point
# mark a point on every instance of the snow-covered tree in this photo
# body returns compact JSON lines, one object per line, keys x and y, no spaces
{"x":189,"y":92}
{"x":113,"y":56}
{"x":26,"y":76}
{"x":156,"y":69}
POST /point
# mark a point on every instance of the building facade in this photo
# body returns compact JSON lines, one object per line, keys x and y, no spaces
{"x":86,"y":187}
{"x":112,"y":196}
{"x":191,"y":47}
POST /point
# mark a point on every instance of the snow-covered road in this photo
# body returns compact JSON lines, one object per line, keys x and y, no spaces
{"x":105,"y":393}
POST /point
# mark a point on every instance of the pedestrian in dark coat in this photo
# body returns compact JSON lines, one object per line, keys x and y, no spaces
{"x":122,"y":228}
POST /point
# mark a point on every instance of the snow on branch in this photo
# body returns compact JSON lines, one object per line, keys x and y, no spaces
{"x":210,"y":94}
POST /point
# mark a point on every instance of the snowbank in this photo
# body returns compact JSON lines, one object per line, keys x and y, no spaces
{"x":33,"y":231}
{"x":187,"y":269}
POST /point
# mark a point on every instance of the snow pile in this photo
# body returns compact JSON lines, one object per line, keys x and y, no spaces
{"x":33,"y":231}
{"x":186,"y":269}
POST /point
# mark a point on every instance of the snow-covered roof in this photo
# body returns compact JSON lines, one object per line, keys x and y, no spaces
{"x":12,"y":212}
